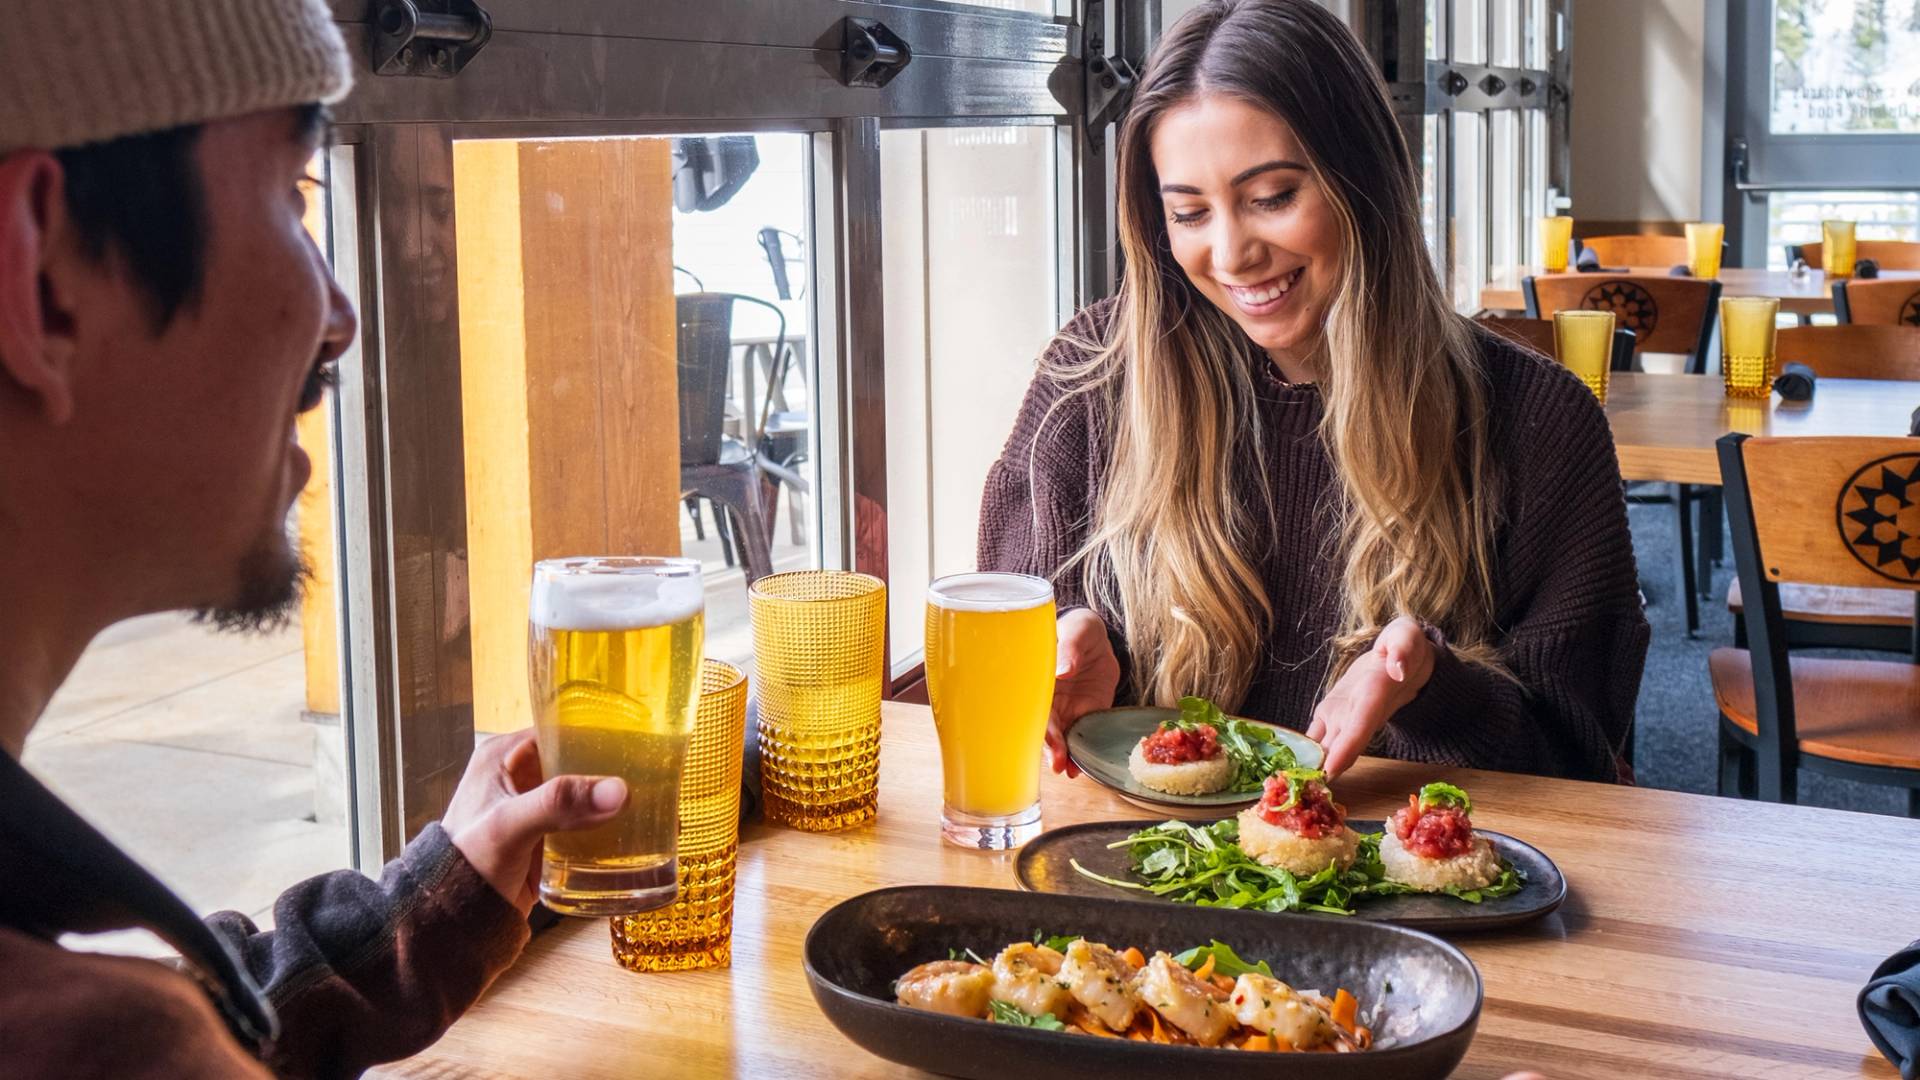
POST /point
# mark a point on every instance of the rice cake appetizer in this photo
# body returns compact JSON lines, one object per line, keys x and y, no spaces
{"x":1430,"y":845}
{"x":1297,"y":827}
{"x":1182,"y":760}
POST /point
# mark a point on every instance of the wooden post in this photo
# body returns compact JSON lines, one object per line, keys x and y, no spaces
{"x":568,"y":380}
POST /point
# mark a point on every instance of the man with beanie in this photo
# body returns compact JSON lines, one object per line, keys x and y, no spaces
{"x":164,"y":316}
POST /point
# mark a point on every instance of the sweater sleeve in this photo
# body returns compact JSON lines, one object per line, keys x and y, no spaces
{"x":1573,"y":635}
{"x":363,"y":971}
{"x":1037,"y":509}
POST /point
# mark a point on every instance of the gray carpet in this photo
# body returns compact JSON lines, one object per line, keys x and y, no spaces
{"x":1677,"y":744}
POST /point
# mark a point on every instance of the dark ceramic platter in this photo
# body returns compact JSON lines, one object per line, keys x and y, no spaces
{"x":1043,"y":867}
{"x":1427,"y":990}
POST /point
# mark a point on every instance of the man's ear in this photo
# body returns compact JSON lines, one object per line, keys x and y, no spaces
{"x":37,"y":341}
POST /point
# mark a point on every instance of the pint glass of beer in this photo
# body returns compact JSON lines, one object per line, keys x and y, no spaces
{"x":991,"y":655}
{"x":614,"y":668}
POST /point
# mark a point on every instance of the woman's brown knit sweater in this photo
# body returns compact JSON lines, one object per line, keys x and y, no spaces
{"x":1565,"y":587}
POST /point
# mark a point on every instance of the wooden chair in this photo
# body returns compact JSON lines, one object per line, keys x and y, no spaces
{"x":1537,"y":334}
{"x":1854,"y":350}
{"x":1833,"y":617}
{"x":1823,"y":512}
{"x":1668,"y":315}
{"x":1877,"y":302}
{"x":1890,"y":254}
{"x":1637,"y":250}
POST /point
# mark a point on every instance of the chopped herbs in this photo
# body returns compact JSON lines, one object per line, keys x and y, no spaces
{"x":1255,"y":751}
{"x":1440,"y":793}
{"x":1005,"y":1012}
{"x":1204,"y":865}
{"x":966,"y":954}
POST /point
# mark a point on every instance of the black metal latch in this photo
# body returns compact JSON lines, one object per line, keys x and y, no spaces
{"x":430,"y":39}
{"x":870,"y":54}
{"x":1110,"y":81}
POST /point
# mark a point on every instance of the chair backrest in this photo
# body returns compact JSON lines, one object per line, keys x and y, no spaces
{"x":1890,"y":254}
{"x":1878,"y":301}
{"x":705,"y":347}
{"x":1841,"y":510}
{"x":1853,"y":351}
{"x":1537,"y":334}
{"x":1666,"y":314}
{"x":1637,"y":250}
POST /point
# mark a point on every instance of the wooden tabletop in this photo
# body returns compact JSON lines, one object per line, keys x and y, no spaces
{"x":1665,"y":426}
{"x":1810,"y":295}
{"x":1701,"y":937}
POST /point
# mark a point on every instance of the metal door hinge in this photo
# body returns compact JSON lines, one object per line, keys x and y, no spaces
{"x":430,"y":39}
{"x":870,"y":54}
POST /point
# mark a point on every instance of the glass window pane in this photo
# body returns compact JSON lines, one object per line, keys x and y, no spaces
{"x":1846,"y":67}
{"x":1469,"y":229}
{"x":1506,"y":33}
{"x":637,"y":369}
{"x":1537,"y":191}
{"x":217,"y":759}
{"x":1470,"y":31}
{"x":1794,"y":217}
{"x":1537,"y":34}
{"x":1505,"y":208}
{"x":1037,"y":7}
{"x":1435,"y":39}
{"x":1430,"y":189}
{"x":984,"y":200}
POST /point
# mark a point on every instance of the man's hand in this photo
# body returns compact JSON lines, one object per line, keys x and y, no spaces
{"x":1085,"y":680}
{"x":501,"y":813}
{"x":1379,"y":684}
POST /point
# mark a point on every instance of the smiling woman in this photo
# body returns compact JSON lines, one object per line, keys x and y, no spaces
{"x":1279,"y":468}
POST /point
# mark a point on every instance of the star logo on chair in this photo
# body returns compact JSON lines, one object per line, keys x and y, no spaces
{"x":1910,"y":311}
{"x":1632,"y":306}
{"x":1880,"y":517}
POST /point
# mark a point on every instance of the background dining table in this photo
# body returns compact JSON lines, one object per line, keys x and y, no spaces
{"x":1665,"y":426}
{"x":1810,"y":294}
{"x":1701,"y":937}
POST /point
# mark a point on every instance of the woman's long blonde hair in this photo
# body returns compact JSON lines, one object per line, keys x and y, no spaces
{"x":1174,"y":550}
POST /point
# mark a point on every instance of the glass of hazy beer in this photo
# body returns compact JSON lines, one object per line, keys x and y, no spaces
{"x":991,"y":655}
{"x":614,"y":668}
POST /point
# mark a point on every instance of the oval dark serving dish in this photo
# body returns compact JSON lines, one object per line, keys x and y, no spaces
{"x":1044,"y":866}
{"x":1427,"y":991}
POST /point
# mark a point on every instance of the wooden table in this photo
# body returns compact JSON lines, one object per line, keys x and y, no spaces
{"x":1665,"y":426}
{"x":1811,"y":295}
{"x":1701,"y":937}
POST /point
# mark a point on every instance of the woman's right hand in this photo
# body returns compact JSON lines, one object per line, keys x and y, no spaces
{"x":1085,"y":680}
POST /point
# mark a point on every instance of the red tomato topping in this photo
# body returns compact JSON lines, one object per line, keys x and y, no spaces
{"x":1438,"y":832}
{"x":1176,"y":746}
{"x":1313,"y":816}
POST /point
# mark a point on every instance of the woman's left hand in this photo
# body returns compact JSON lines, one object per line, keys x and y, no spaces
{"x":1377,"y":685}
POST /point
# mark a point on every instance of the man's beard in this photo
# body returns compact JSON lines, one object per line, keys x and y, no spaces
{"x":272,"y":581}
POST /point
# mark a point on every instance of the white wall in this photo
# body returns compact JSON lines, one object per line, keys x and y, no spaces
{"x":1638,"y":85}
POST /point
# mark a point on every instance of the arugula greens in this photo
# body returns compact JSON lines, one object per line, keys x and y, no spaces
{"x":1255,"y":751}
{"x":1440,"y":793}
{"x":1205,"y":866}
{"x":1297,"y":781}
{"x":1225,"y":961}
{"x":1005,"y":1012}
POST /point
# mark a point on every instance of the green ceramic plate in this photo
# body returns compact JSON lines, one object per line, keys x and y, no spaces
{"x":1101,"y":743}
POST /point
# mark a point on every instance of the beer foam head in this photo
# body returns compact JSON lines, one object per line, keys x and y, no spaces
{"x":615,"y":594}
{"x":989,"y":592}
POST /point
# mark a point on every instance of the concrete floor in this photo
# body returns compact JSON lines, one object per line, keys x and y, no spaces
{"x":187,"y":747}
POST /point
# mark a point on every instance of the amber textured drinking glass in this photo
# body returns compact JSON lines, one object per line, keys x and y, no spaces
{"x":1837,"y":248}
{"x":1583,"y":340}
{"x":696,"y":930}
{"x":1556,"y":235}
{"x":1748,"y":361}
{"x":819,"y":644}
{"x":1704,"y":241}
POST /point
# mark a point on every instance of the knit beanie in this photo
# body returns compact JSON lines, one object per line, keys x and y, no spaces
{"x":81,"y":71}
